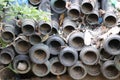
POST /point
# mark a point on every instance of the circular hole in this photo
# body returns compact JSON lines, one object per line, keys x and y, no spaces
{"x":68,"y":29}
{"x":7,"y":36}
{"x":54,"y":31}
{"x":68,"y":58}
{"x":92,"y":18}
{"x":110,"y":20}
{"x":114,"y":45}
{"x":35,"y":1}
{"x":57,"y":68}
{"x":5,"y":58}
{"x":73,"y":13}
{"x":77,"y":72}
{"x":40,"y":55}
{"x":111,"y":71}
{"x":77,"y":42}
{"x":60,"y":4}
{"x":87,"y":8}
{"x":28,"y":29}
{"x":35,"y":39}
{"x":22,"y":46}
{"x":45,"y":28}
{"x":55,"y":45}
{"x":40,"y":69}
{"x":89,"y":57}
{"x":22,"y":65}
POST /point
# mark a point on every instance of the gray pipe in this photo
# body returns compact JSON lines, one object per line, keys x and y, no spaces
{"x":41,"y":70}
{"x":39,"y":53}
{"x":55,"y":42}
{"x":68,"y":56}
{"x":76,"y":40}
{"x":68,"y":26}
{"x":109,"y":70}
{"x":77,"y":71}
{"x":8,"y":33}
{"x":56,"y":67}
{"x":117,"y":62}
{"x":28,"y":26}
{"x":21,"y":46}
{"x":88,"y":6}
{"x":21,"y":64}
{"x":6,"y":55}
{"x":89,"y":55}
{"x":74,"y":11}
{"x":35,"y":2}
{"x":35,"y":38}
{"x":58,"y":6}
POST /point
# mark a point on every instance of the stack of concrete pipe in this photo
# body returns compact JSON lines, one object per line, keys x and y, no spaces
{"x":48,"y":47}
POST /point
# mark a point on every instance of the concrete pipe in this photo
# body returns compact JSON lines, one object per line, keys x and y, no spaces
{"x":22,"y":46}
{"x":117,"y":62}
{"x":104,"y":56}
{"x":56,"y":67}
{"x":109,"y":70}
{"x":35,"y":38}
{"x":89,"y":55}
{"x":55,"y":42}
{"x":112,"y":44}
{"x":39,"y":53}
{"x":93,"y":70}
{"x":68,"y":56}
{"x":74,"y":11}
{"x":58,"y":6}
{"x":41,"y":70}
{"x":35,"y":2}
{"x":28,"y":26}
{"x":8,"y":33}
{"x":21,"y":64}
{"x":7,"y":55}
{"x":68,"y":26}
{"x":88,"y":6}
{"x":77,"y":71}
{"x":76,"y":40}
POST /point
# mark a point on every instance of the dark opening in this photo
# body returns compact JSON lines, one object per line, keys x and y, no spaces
{"x":60,"y":4}
{"x":45,"y":28}
{"x":35,"y":1}
{"x":55,"y":44}
{"x":5,"y":58}
{"x":92,"y":18}
{"x":110,"y":20}
{"x":7,"y":36}
{"x":35,"y":39}
{"x":68,"y":29}
{"x":87,"y":8}
{"x":73,"y":13}
{"x":54,"y":31}
{"x":28,"y":29}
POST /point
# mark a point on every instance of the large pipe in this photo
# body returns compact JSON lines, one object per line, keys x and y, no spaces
{"x":68,"y":56}
{"x":68,"y":26}
{"x":21,"y":64}
{"x":88,"y":6}
{"x":35,"y":2}
{"x":8,"y":33}
{"x":109,"y":70}
{"x":39,"y":53}
{"x":74,"y":11}
{"x":89,"y":55}
{"x":28,"y":26}
{"x":56,"y":67}
{"x":77,"y":71}
{"x":58,"y":6}
{"x":117,"y":62}
{"x":112,"y":44}
{"x":41,"y":70}
{"x":21,"y":46}
{"x":76,"y":40}
{"x":55,"y":42}
{"x":7,"y":55}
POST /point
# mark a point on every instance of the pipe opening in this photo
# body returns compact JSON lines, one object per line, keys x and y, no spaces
{"x":73,"y":13}
{"x":110,"y":20}
{"x":77,"y":72}
{"x":22,"y":65}
{"x":54,"y":31}
{"x":68,"y":58}
{"x":45,"y":28}
{"x":114,"y":45}
{"x":22,"y":46}
{"x":68,"y":29}
{"x":35,"y":39}
{"x":77,"y":42}
{"x":35,"y":1}
{"x":5,"y":58}
{"x":87,"y":8}
{"x":90,"y":57}
{"x":111,"y":71}
{"x":55,"y":45}
{"x":59,"y":4}
{"x":40,"y":55}
{"x":57,"y":68}
{"x":92,"y":18}
{"x":28,"y":29}
{"x":7,"y":36}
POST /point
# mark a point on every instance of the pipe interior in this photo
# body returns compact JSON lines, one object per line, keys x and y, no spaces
{"x":35,"y":39}
{"x":8,"y":36}
{"x":87,"y":7}
{"x":59,"y":4}
{"x":68,"y":29}
{"x":5,"y":58}
{"x":110,"y":20}
{"x":45,"y":28}
{"x":73,"y":13}
{"x":28,"y":29}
